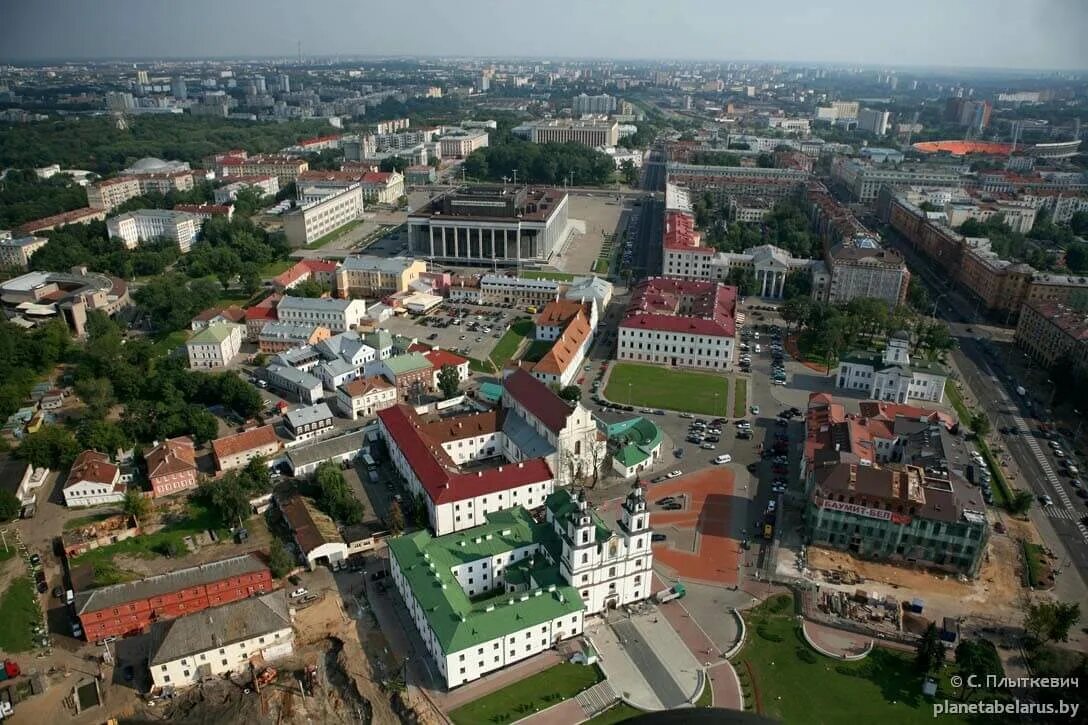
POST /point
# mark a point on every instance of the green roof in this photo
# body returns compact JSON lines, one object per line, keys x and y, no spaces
{"x":427,"y":561}
{"x":638,"y":438}
{"x":401,"y":364}
{"x":630,"y":455}
{"x":491,"y":391}
{"x":216,"y":334}
{"x":379,"y":339}
{"x":563,"y":507}
{"x":875,"y":360}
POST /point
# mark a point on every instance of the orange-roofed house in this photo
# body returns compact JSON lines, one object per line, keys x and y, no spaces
{"x":560,"y":365}
{"x":171,"y":466}
{"x":235,"y":451}
{"x":440,"y":358}
{"x":364,"y":397}
{"x":212,"y":315}
{"x":260,"y":315}
{"x":319,"y":270}
{"x":93,"y":480}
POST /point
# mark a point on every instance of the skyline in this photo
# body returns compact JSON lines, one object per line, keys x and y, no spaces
{"x":1042,"y":39}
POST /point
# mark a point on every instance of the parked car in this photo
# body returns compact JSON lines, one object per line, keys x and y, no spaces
{"x":300,"y":592}
{"x":674,"y":474}
{"x":723,"y":458}
{"x":657,"y":537}
{"x":659,"y":479}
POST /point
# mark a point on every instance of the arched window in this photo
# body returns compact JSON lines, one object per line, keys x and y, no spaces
{"x":577,"y":448}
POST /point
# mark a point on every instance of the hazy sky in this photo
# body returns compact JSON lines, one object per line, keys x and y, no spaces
{"x":978,"y":33}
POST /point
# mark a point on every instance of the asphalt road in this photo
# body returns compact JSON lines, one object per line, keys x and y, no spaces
{"x":655,"y":672}
{"x":992,"y":374}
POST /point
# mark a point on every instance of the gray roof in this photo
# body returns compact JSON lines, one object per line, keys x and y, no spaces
{"x":327,"y":448}
{"x":368,"y":262}
{"x":346,"y":345}
{"x":291,"y":375}
{"x":319,"y":304}
{"x":339,"y":366}
{"x":94,"y":600}
{"x":219,"y":626}
{"x":287,"y":330}
{"x":309,"y":414}
{"x":296,"y":356}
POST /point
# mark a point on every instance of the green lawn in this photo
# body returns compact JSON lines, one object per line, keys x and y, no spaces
{"x":164,"y":344}
{"x":521,"y":699}
{"x":508,"y":344}
{"x":6,"y":554}
{"x":557,"y":276}
{"x":20,"y":607}
{"x":1033,"y":562}
{"x":537,"y":350}
{"x":274,"y":269}
{"x":617,"y":713}
{"x":740,"y":398}
{"x":170,"y":537}
{"x":652,"y":386}
{"x":797,"y":685}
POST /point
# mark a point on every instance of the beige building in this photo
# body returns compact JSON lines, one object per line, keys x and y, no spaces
{"x":364,"y":397}
{"x":109,"y":194}
{"x":215,"y":346}
{"x":328,"y":213}
{"x":15,"y":253}
{"x":1047,"y":331}
{"x":459,"y":143}
{"x":238,"y":163}
{"x":235,"y":451}
{"x":1019,"y":215}
{"x":589,"y":132}
{"x":365,"y":275}
{"x":145,"y":225}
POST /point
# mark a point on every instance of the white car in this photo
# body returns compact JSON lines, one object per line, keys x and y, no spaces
{"x":674,"y":474}
{"x":300,"y":592}
{"x":723,"y":458}
{"x":755,"y":410}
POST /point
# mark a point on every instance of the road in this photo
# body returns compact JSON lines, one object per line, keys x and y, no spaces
{"x":992,"y":369}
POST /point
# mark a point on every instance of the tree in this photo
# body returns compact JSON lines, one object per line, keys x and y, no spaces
{"x":918,"y":296}
{"x":250,"y":278}
{"x":227,"y":497}
{"x":102,"y":435}
{"x":976,"y":661}
{"x":280,"y":561}
{"x":393,"y":163}
{"x":629,"y":172}
{"x":1020,"y":502}
{"x":419,"y":510}
{"x":396,"y":518}
{"x":1076,"y":255}
{"x":930,"y":654}
{"x":743,"y":279}
{"x":795,"y":311}
{"x":10,"y":505}
{"x":1079,"y":223}
{"x":1051,"y":621}
{"x":310,"y":288}
{"x":449,"y":382}
{"x":980,"y":424}
{"x":136,"y":505}
{"x":336,"y":498}
{"x":51,"y":447}
{"x":571,"y":393}
{"x":797,"y":285}
{"x":96,"y":393}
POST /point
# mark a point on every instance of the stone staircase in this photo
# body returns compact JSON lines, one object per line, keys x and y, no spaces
{"x":596,"y":699}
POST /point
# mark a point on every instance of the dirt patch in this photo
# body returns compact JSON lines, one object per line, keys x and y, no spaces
{"x":994,"y":595}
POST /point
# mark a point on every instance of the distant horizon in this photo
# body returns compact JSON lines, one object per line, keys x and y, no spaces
{"x":347,"y":57}
{"x":1042,"y":35}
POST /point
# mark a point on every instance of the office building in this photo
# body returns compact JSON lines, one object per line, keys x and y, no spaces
{"x":874,"y":121}
{"x":863,"y":181}
{"x":490,"y":226}
{"x":892,"y":485}
{"x":295,"y":384}
{"x":723,"y":182}
{"x":364,"y":275}
{"x":588,"y":132}
{"x":275,"y":336}
{"x":679,"y":323}
{"x":215,"y":346}
{"x":313,"y":421}
{"x":82,"y":215}
{"x":265,"y":186}
{"x":223,"y":640}
{"x":335,"y":314}
{"x":178,"y":88}
{"x":490,"y":597}
{"x":240,"y":164}
{"x":323,"y":211}
{"x":458,"y":143}
{"x":145,"y":225}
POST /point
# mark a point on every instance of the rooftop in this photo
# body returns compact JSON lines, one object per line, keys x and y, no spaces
{"x":363,"y":386}
{"x":218,"y":627}
{"x":176,"y":455}
{"x":310,"y":414}
{"x":537,"y":398}
{"x":407,"y":363}
{"x":326,"y":448}
{"x":458,"y":622}
{"x":215,"y":333}
{"x":94,"y":467}
{"x":312,"y":528}
{"x":94,"y":600}
{"x":371,"y":263}
{"x":246,"y":441}
{"x":691,"y":307}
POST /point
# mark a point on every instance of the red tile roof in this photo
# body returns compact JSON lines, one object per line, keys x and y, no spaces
{"x":682,"y":306}
{"x":175,"y":455}
{"x":234,"y":313}
{"x":443,"y":481}
{"x":303,"y":269}
{"x":565,"y":349}
{"x":265,"y":309}
{"x":558,"y":312}
{"x":438,"y":358}
{"x":247,"y":441}
{"x":680,"y":233}
{"x":364,"y":386}
{"x":94,"y":467}
{"x":538,"y":399}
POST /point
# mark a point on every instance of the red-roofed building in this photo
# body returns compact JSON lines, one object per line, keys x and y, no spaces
{"x":320,"y":270}
{"x":569,"y":325}
{"x":76,"y":216}
{"x":93,"y":480}
{"x":235,"y":451}
{"x":260,"y":315}
{"x":535,"y":438}
{"x":681,"y":323}
{"x":171,"y":466}
{"x":212,"y":315}
{"x":207,"y":211}
{"x":440,"y":358}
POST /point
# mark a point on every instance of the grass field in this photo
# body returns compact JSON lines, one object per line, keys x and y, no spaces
{"x":335,"y":234}
{"x":165,"y":344}
{"x":168,"y":539}
{"x":797,"y":685}
{"x":617,"y":713}
{"x":1033,"y":563}
{"x":740,"y":398}
{"x":661,"y":387}
{"x":20,"y":607}
{"x":274,"y":269}
{"x":537,"y":350}
{"x":521,"y":699}
{"x":557,"y":276}
{"x":6,"y":554}
{"x":508,"y":344}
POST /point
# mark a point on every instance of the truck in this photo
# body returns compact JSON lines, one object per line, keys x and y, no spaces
{"x":676,"y":591}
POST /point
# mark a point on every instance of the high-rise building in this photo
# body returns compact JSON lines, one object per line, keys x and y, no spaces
{"x":584,"y":104}
{"x":141,"y":77}
{"x":120,"y":101}
{"x":873,"y":121}
{"x":178,"y":88}
{"x":283,"y":82}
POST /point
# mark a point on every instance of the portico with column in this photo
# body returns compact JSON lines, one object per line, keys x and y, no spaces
{"x":772,"y":282}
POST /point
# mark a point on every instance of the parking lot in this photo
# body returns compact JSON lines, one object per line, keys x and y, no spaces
{"x":469,"y":330}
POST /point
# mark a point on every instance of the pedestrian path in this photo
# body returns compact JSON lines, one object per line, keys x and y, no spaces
{"x":1065,"y":510}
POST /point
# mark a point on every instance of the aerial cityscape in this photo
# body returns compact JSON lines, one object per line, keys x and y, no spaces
{"x":584,"y":363}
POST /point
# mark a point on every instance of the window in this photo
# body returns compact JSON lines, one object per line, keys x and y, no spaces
{"x":224,"y":663}
{"x":185,"y":673}
{"x":166,"y":678}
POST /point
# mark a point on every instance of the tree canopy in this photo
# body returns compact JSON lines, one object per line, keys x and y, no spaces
{"x":548,"y":163}
{"x":336,"y":498}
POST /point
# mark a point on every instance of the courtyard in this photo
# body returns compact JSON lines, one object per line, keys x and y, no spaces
{"x":652,"y":386}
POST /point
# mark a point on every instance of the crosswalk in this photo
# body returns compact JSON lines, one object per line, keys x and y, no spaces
{"x":1065,"y":510}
